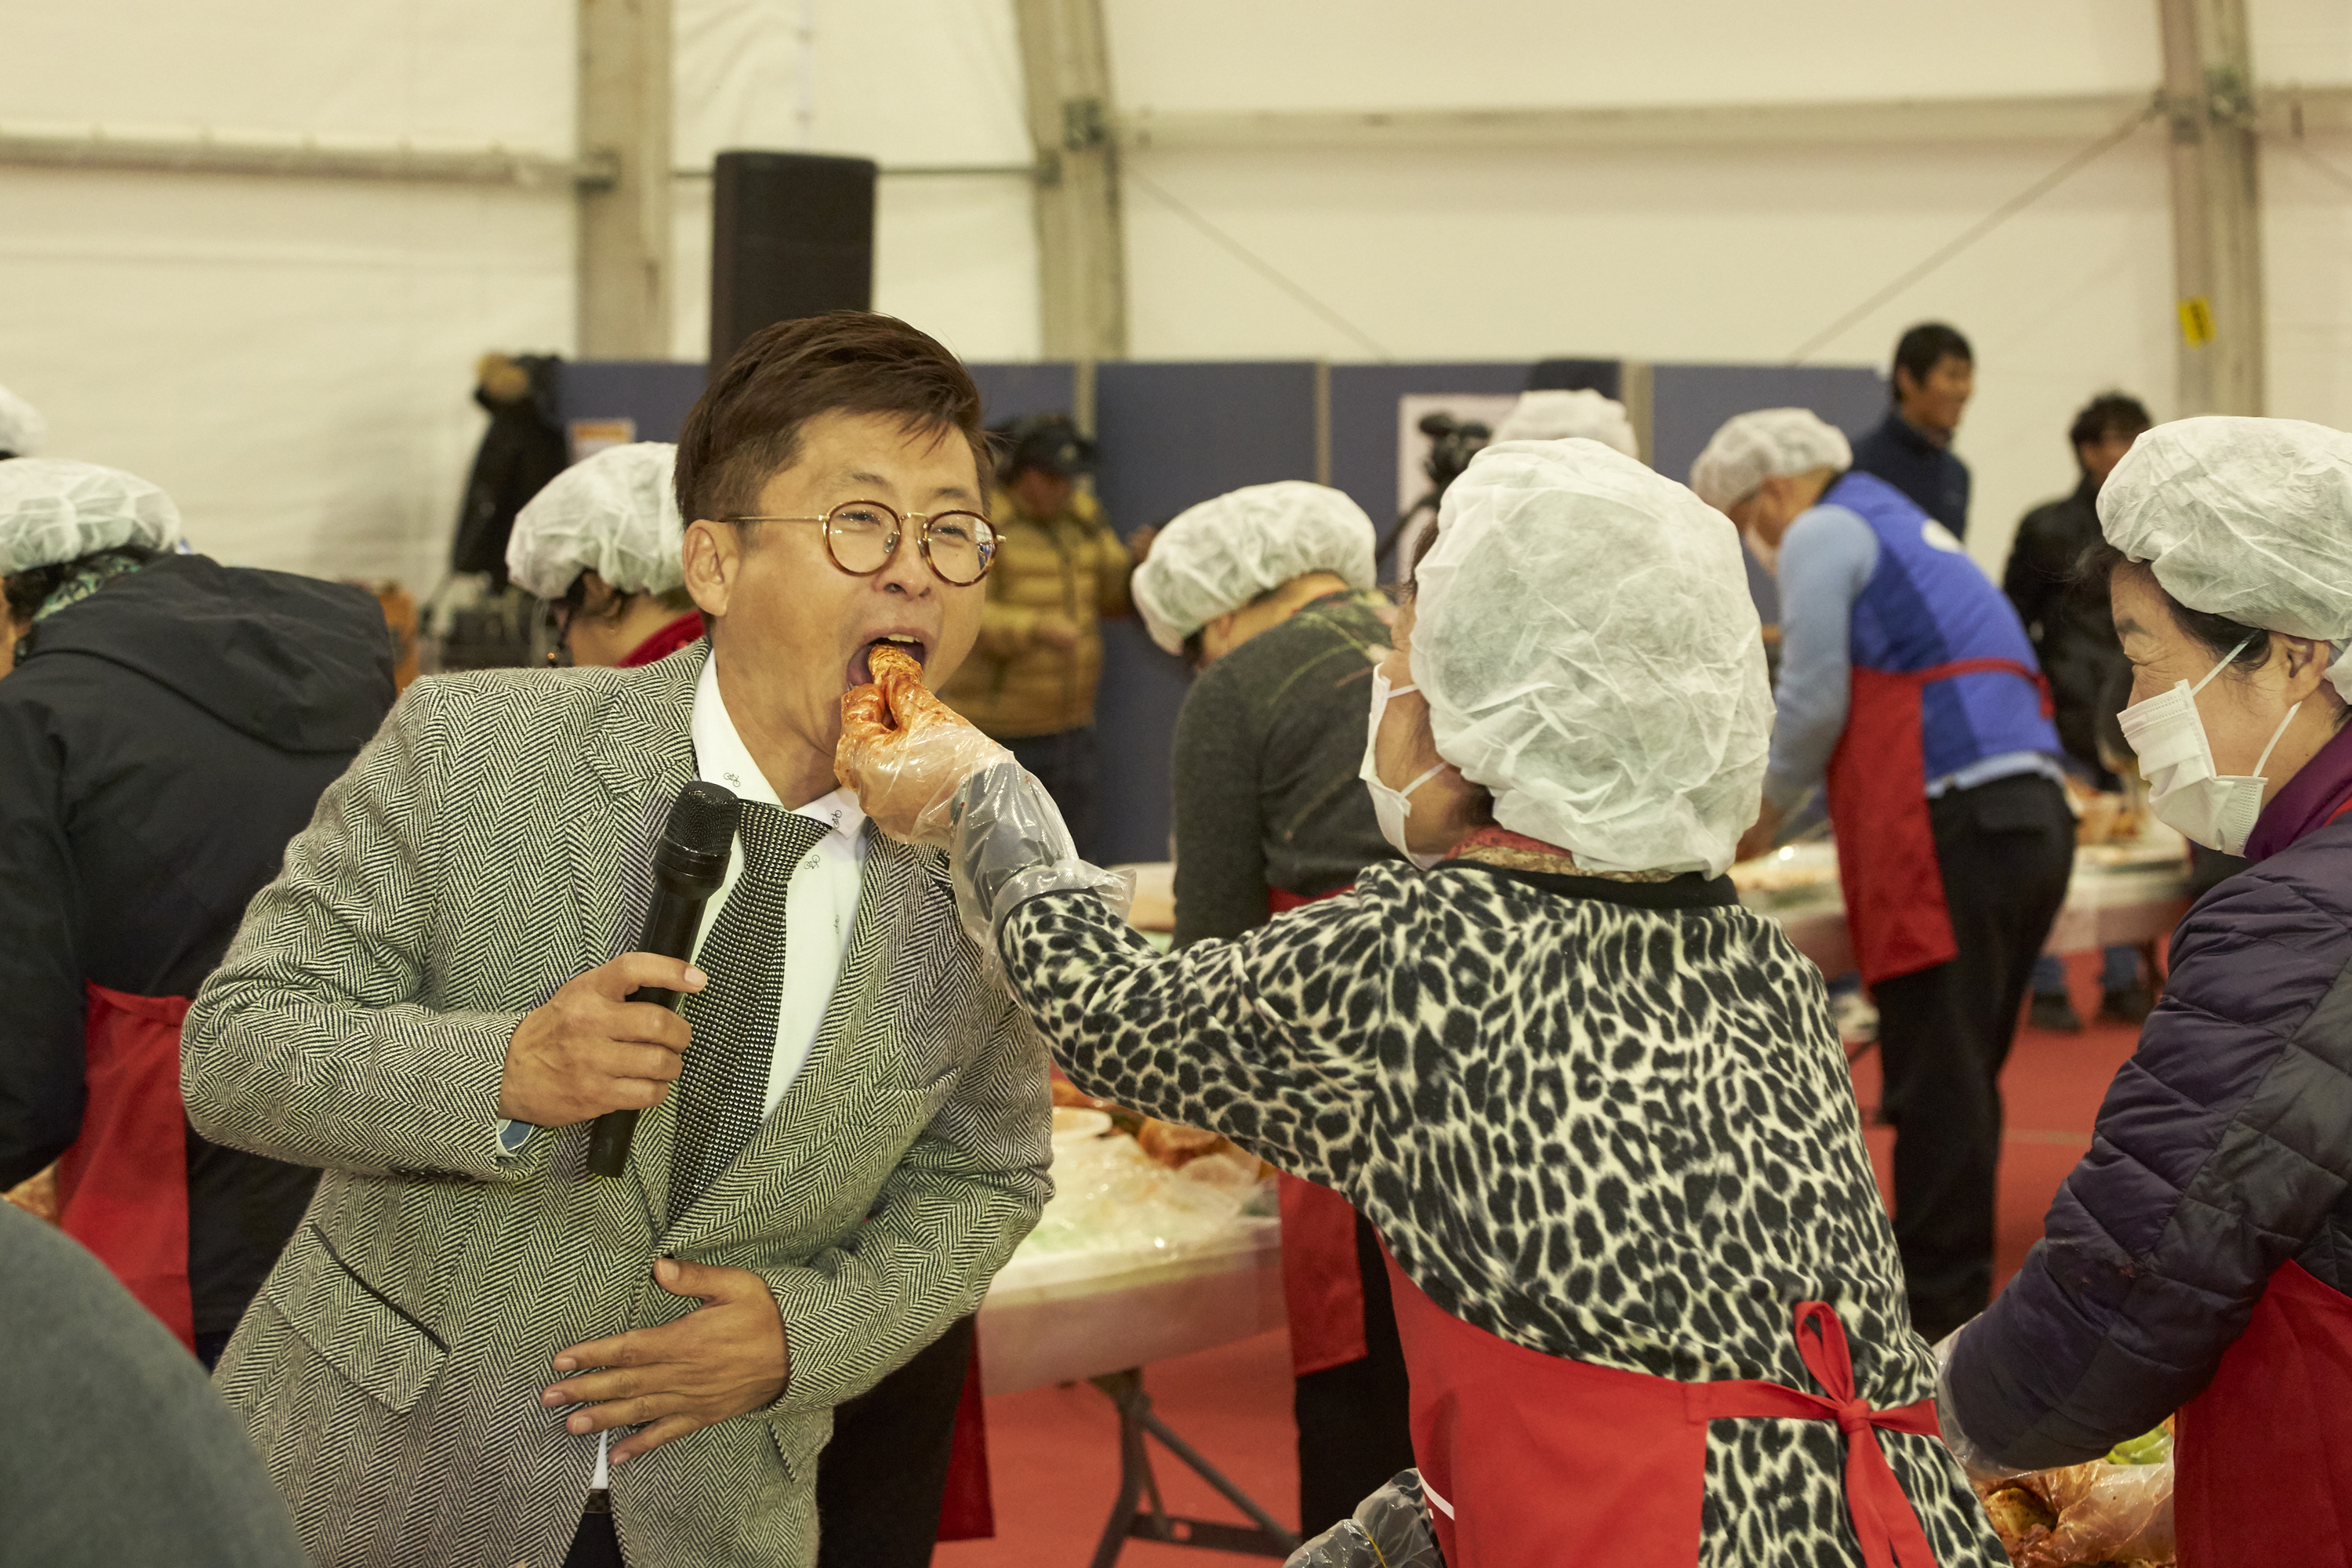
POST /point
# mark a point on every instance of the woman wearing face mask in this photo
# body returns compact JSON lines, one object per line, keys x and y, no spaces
{"x":2200,"y":1256}
{"x":1597,"y":1110}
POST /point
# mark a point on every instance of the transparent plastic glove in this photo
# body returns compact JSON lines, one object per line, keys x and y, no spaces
{"x":1979,"y":1465}
{"x":1390,"y":1529}
{"x":1008,"y":845}
{"x":905,"y":753}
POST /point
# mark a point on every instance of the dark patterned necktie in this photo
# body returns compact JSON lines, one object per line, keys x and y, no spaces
{"x":722,"y":1089}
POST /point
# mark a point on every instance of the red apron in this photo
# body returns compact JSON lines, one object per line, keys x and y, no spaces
{"x":2262,"y":1458}
{"x":966,"y":1510}
{"x":665,"y":642}
{"x":1528,"y":1458}
{"x":122,"y":1188}
{"x":1895,"y":907}
{"x":1322,"y":1282}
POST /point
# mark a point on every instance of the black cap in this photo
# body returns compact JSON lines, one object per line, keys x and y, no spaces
{"x":1048,"y":441}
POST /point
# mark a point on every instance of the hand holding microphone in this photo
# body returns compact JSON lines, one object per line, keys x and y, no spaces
{"x":590,"y":1049}
{"x":609,"y":1043}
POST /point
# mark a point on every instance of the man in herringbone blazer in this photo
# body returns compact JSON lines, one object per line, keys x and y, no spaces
{"x":475,"y":1352}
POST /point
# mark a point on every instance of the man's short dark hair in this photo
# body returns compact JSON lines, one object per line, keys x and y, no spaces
{"x":1927,"y":345}
{"x":746,"y":426}
{"x":2110,"y":413}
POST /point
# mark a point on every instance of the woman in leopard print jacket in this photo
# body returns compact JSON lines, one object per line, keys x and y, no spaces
{"x":1600,"y":1116}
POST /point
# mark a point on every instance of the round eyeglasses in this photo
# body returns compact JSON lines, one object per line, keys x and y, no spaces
{"x":863,"y":535}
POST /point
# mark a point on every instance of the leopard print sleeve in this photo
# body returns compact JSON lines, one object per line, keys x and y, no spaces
{"x":1263,"y":1040}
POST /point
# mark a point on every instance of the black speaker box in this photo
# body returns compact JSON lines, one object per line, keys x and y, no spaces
{"x":792,"y":235}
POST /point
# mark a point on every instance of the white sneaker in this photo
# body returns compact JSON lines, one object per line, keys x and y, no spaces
{"x":1856,"y":1018}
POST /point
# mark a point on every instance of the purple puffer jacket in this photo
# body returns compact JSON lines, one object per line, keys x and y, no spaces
{"x":2224,"y":1150}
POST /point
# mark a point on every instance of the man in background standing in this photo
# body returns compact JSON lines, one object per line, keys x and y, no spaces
{"x":2074,"y":637}
{"x":1268,"y":592}
{"x":1059,"y":571}
{"x":1935,"y":375}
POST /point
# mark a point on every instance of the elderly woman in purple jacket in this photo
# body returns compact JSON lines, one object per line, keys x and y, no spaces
{"x":2200,"y":1258}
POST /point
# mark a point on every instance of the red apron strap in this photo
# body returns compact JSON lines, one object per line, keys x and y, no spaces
{"x":2262,"y":1462}
{"x":122,"y":1188}
{"x":1885,"y":1523}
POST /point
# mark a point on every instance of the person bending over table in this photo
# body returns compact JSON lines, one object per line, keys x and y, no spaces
{"x":1595,"y":1106}
{"x":2199,"y":1257}
{"x":844,"y":1135}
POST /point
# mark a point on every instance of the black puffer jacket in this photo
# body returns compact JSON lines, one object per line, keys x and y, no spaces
{"x":2072,"y":625}
{"x":2224,"y":1149}
{"x":159,"y":745}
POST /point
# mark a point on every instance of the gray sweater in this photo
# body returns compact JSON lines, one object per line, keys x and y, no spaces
{"x":118,"y":1451}
{"x":1267,"y":750}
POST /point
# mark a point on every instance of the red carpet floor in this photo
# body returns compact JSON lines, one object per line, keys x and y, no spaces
{"x":1054,"y":1451}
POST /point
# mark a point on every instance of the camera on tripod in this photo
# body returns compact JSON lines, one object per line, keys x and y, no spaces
{"x":1452,"y":444}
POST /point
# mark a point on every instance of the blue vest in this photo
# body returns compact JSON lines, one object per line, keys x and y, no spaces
{"x":1929,"y":604}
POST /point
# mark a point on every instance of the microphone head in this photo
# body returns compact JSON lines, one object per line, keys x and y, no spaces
{"x":699,"y":835}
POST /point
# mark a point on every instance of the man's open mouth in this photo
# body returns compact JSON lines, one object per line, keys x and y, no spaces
{"x":861,"y":665}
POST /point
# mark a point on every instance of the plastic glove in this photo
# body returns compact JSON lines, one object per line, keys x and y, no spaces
{"x":1979,"y":1465}
{"x":905,"y":753}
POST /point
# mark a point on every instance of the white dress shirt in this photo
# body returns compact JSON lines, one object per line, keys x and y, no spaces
{"x":820,"y":905}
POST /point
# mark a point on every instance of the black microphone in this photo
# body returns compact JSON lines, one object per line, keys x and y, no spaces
{"x":689,"y":864}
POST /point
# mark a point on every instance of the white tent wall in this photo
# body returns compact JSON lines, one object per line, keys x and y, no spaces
{"x":289,"y":358}
{"x":1714,"y":252}
{"x":920,"y":83}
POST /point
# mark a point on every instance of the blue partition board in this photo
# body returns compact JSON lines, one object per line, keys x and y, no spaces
{"x":1171,"y":434}
{"x":657,"y":393}
{"x":1010,"y":391}
{"x":1364,"y":421}
{"x":1689,"y":402}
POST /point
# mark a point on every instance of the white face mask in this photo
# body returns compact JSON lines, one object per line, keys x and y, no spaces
{"x":2185,"y":790}
{"x":1767,"y":555}
{"x":1389,"y":804}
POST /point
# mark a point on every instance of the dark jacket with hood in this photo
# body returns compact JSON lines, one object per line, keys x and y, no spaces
{"x":160,"y":742}
{"x":2224,"y":1151}
{"x":2072,"y":625}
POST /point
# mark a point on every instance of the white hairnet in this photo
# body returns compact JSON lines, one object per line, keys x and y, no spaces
{"x":2250,"y":518}
{"x":614,"y":513}
{"x":1557,"y":416}
{"x":53,"y":510}
{"x":1590,"y":652}
{"x":23,"y":431}
{"x":1219,"y":555}
{"x":1769,"y":444}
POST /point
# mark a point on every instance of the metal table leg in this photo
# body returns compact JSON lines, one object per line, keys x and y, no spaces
{"x":1265,"y":1537}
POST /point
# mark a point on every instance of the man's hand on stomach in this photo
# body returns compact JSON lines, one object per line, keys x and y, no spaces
{"x":587,"y":1050}
{"x":726,"y":1357}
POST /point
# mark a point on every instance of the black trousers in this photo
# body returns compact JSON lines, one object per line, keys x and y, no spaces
{"x":880,"y":1480}
{"x":2006,"y":849}
{"x":1354,"y":1431}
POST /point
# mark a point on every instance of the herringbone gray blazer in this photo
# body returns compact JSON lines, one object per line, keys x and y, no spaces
{"x":493,"y":842}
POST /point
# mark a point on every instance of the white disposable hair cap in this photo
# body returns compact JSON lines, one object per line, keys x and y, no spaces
{"x":2250,"y":518}
{"x":1590,"y":652}
{"x":614,"y":513}
{"x":1769,"y":444}
{"x":1219,"y":555}
{"x":23,"y":431}
{"x":1558,"y":416}
{"x":53,"y":510}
